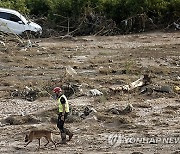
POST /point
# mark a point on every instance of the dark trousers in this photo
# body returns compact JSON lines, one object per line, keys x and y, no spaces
{"x":60,"y":122}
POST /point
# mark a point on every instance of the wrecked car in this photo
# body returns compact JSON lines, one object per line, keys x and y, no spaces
{"x":12,"y":21}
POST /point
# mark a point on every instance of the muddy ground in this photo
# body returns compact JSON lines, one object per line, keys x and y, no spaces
{"x":150,"y":126}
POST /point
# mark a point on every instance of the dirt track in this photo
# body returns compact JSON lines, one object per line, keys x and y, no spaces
{"x":100,"y":63}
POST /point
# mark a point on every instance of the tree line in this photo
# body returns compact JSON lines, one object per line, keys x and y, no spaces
{"x":122,"y":14}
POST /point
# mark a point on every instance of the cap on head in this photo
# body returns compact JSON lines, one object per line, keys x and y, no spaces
{"x":57,"y":90}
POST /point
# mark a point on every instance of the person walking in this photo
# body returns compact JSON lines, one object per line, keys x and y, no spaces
{"x":62,"y":115}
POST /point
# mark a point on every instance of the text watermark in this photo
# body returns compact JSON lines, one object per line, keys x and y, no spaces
{"x":117,"y":139}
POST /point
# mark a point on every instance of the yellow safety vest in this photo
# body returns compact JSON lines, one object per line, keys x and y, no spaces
{"x":66,"y":104}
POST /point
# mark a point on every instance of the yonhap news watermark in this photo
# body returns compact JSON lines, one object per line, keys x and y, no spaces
{"x":116,"y":139}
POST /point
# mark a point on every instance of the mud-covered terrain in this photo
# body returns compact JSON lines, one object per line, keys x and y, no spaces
{"x":104,"y":117}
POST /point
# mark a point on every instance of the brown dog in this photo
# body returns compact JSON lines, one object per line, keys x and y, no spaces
{"x":38,"y":134}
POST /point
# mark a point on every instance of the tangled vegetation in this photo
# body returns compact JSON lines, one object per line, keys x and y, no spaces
{"x":97,"y":16}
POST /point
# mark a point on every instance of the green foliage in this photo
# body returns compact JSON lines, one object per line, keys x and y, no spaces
{"x":173,"y":10}
{"x":39,"y":7}
{"x":19,"y":5}
{"x":115,"y":9}
{"x":160,"y":11}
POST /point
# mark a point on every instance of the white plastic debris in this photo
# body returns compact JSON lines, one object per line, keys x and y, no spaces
{"x":29,"y":44}
{"x":2,"y":44}
{"x":27,"y":88}
{"x":70,"y":71}
{"x":177,"y":25}
{"x":134,"y":84}
{"x":95,"y":92}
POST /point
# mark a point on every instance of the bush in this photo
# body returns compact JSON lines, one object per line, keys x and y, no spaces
{"x":39,"y":7}
{"x":19,"y":5}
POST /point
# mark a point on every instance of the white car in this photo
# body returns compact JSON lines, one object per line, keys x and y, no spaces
{"x":12,"y":21}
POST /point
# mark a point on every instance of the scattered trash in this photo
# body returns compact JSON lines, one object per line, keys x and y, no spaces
{"x":2,"y":46}
{"x":176,"y":25}
{"x":94,"y":92}
{"x":146,"y":89}
{"x":177,"y":88}
{"x":70,"y":71}
{"x":28,"y":94}
{"x":29,"y":44}
{"x":12,"y":41}
{"x":143,"y":80}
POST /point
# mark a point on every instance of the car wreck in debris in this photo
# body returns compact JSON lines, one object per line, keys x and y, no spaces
{"x":12,"y":21}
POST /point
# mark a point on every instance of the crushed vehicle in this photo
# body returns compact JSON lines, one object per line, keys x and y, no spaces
{"x":12,"y":21}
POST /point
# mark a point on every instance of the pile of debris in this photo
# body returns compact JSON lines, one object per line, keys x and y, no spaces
{"x":12,"y":41}
{"x":145,"y":86}
{"x":27,"y":93}
{"x":142,"y":81}
{"x":9,"y":41}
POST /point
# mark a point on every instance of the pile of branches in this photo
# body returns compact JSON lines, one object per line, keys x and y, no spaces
{"x":10,"y":41}
{"x":174,"y":26}
{"x":95,"y":24}
{"x":49,"y":27}
{"x":137,"y":23}
{"x":92,"y":24}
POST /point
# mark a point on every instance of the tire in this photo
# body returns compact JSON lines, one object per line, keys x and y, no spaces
{"x":28,"y":34}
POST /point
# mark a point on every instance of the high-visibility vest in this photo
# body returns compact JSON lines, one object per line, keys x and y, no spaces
{"x":66,"y":104}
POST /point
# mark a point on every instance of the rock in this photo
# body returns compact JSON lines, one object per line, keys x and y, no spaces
{"x":73,"y":118}
{"x":19,"y":120}
{"x":88,"y":112}
{"x":126,"y":110}
{"x":146,"y":90}
{"x":114,"y":111}
{"x":166,"y":89}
